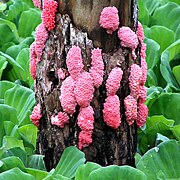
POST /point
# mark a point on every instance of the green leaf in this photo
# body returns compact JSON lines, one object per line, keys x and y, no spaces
{"x":28,"y":41}
{"x":3,"y":64}
{"x":168,"y":105}
{"x":144,"y":14}
{"x":23,"y":100}
{"x":29,"y":133}
{"x":15,"y":173}
{"x":176,"y":131}
{"x":161,"y":162}
{"x":13,"y":51}
{"x":70,"y":160}
{"x":16,"y":152}
{"x":162,"y":35}
{"x":2,"y":7}
{"x":4,"y":86}
{"x":152,"y":53}
{"x":11,"y":162}
{"x":6,"y":34}
{"x":23,"y":60}
{"x":28,"y":22}
{"x":176,"y":72}
{"x":84,"y":170}
{"x":8,"y":127}
{"x":36,"y":161}
{"x":167,"y":15}
{"x":37,"y":174}
{"x":117,"y":172}
{"x":11,"y":25}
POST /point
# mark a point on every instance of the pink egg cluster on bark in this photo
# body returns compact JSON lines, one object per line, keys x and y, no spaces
{"x":109,"y":19}
{"x":144,"y":69}
{"x":111,"y":111}
{"x":135,"y":80}
{"x":142,"y":94}
{"x":61,"y":74}
{"x":36,"y":115}
{"x":85,"y":122}
{"x":33,"y":61}
{"x":113,"y":81}
{"x":67,"y":97}
{"x":48,"y":13}
{"x":37,"y":3}
{"x":97,"y":67}
{"x":60,"y":120}
{"x":41,"y":37}
{"x":74,"y":61}
{"x":142,"y":114}
{"x":140,"y":32}
{"x":131,"y":109}
{"x":85,"y":139}
{"x":84,"y":89}
{"x":128,"y":39}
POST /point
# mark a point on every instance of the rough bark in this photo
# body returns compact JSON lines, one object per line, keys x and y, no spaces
{"x":77,"y":24}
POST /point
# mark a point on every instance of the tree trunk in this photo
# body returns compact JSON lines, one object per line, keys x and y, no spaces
{"x":77,"y":23}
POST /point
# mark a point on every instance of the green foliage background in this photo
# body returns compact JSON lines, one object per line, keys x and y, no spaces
{"x":158,"y":152}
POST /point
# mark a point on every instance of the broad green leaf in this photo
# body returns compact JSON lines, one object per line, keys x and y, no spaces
{"x":70,"y":160}
{"x":154,"y":125}
{"x":36,"y":161}
{"x":11,"y":25}
{"x":176,"y":131}
{"x":152,"y":53}
{"x":4,"y":86}
{"x":6,"y":34}
{"x":5,"y":46}
{"x":28,"y":22}
{"x":160,"y":138}
{"x":11,"y":162}
{"x":13,"y":51}
{"x":23,"y":60}
{"x":117,"y":172}
{"x":151,"y":5}
{"x":167,"y":56}
{"x":84,"y":170}
{"x":3,"y":64}
{"x":176,"y":1}
{"x":2,"y":7}
{"x":36,"y":173}
{"x":151,"y":78}
{"x":144,"y":14}
{"x":29,"y":133}
{"x":16,"y":152}
{"x":167,"y":15}
{"x":15,"y":71}
{"x":23,"y":100}
{"x":1,"y":163}
{"x":15,"y":173}
{"x":28,"y":41}
{"x":162,"y":35}
{"x":167,"y":104}
{"x":161,"y":162}
{"x":137,"y":158}
{"x":176,"y":72}
{"x":8,"y":127}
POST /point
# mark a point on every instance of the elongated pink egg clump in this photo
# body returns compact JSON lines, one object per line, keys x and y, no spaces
{"x":109,"y":19}
{"x":144,"y":69}
{"x":128,"y":39}
{"x":85,"y":139}
{"x":74,"y":61}
{"x":113,"y":81}
{"x":86,"y":119}
{"x":37,"y":3}
{"x":111,"y":111}
{"x":131,"y":109}
{"x":41,"y":38}
{"x":67,"y":97}
{"x":33,"y":61}
{"x":142,"y":94}
{"x":36,"y":115}
{"x":60,"y":120}
{"x":84,"y":89}
{"x":140,"y":32}
{"x":97,"y":67}
{"x":48,"y":13}
{"x":142,"y":114}
{"x":134,"y":80}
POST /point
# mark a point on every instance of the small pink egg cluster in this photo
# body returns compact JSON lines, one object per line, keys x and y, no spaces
{"x":111,"y":111}
{"x":136,"y":110}
{"x":36,"y":115}
{"x":78,"y":89}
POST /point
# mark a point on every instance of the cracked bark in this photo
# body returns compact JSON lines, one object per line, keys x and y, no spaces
{"x":77,"y":24}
